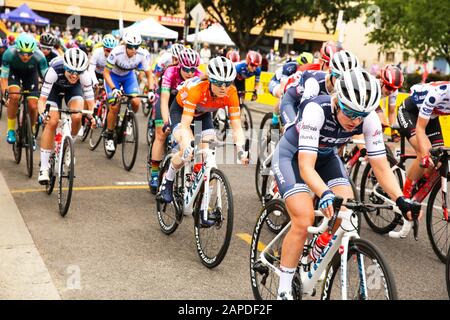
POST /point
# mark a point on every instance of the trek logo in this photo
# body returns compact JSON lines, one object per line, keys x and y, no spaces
{"x":334,"y":140}
{"x":278,"y":173}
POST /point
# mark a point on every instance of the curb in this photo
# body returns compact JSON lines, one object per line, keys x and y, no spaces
{"x":23,"y":274}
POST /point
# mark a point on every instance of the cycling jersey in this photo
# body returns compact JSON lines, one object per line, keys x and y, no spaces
{"x":432,"y":99}
{"x":172,"y":78}
{"x":163,"y":63}
{"x":97,"y":64}
{"x":281,"y":73}
{"x":52,"y":54}
{"x":243,"y":73}
{"x":120,"y":64}
{"x":55,"y":80}
{"x":11,"y":63}
{"x":195,"y":97}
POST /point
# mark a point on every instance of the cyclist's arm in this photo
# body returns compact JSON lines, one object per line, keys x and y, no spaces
{"x":88,"y":92}
{"x":92,"y":67}
{"x":308,"y":145}
{"x":43,"y":65}
{"x":146,"y":67}
{"x":236,"y":126}
{"x":164,"y":104}
{"x":423,"y":142}
{"x":107,"y":77}
{"x":288,"y":105}
{"x":311,"y":89}
{"x":49,"y":80}
{"x":257,"y":79}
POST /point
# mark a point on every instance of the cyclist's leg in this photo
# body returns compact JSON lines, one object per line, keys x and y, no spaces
{"x":12,"y":106}
{"x":131,"y":86}
{"x":158,"y":144}
{"x":113,"y":108}
{"x":31,"y":83}
{"x":74,"y":100}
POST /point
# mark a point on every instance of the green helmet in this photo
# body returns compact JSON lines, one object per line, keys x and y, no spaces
{"x":26,"y":43}
{"x":304,"y":58}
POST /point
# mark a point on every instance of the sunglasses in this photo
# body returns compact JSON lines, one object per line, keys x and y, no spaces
{"x":334,"y":74}
{"x":254,"y":65}
{"x":354,"y":115}
{"x":107,"y":50}
{"x":221,"y":83}
{"x":28,"y":54}
{"x":189,"y":70}
{"x":131,"y":47}
{"x":73,"y":72}
{"x":389,"y":88}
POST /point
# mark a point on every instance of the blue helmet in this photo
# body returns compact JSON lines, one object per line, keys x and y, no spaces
{"x":4,"y":43}
{"x":110,"y":42}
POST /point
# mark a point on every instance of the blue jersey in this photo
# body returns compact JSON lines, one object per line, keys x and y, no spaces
{"x":243,"y":73}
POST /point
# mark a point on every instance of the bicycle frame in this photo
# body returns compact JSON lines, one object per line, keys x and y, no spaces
{"x":339,"y":241}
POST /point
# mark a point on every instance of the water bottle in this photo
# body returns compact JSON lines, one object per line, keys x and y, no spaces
{"x":320,"y":245}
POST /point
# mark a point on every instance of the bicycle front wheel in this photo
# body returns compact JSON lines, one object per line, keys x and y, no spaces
{"x":28,"y":145}
{"x":369,"y":277}
{"x":447,"y":273}
{"x":130,"y":141}
{"x":213,"y":240}
{"x":246,"y":122}
{"x":66,"y":176}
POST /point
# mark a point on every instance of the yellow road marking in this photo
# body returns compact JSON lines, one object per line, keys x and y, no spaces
{"x":248,"y":238}
{"x":84,"y":189}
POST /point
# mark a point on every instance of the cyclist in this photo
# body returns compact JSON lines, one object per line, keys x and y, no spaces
{"x":391,"y":79}
{"x":189,"y":60}
{"x":167,"y":59}
{"x":22,"y":65}
{"x":418,"y":117}
{"x":233,"y":56}
{"x":314,"y":83}
{"x":97,"y":62}
{"x":195,"y":101}
{"x":3,"y":47}
{"x":246,"y":69}
{"x":306,"y":159}
{"x":121,"y":63}
{"x":68,"y":75}
{"x":47,"y":43}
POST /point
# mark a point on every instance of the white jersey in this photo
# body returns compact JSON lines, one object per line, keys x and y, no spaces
{"x":97,"y":64}
{"x":393,"y":98}
{"x":432,"y":99}
{"x":121,"y":65}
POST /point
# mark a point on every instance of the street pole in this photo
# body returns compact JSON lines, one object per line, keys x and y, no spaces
{"x":186,"y":22}
{"x":197,"y":26}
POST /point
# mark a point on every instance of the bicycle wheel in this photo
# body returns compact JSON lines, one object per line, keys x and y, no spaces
{"x":17,"y":146}
{"x":220,"y":122}
{"x":66,"y":176}
{"x":247,"y":122}
{"x":381,"y":221}
{"x":438,"y":228}
{"x":51,"y":183}
{"x":146,"y":107}
{"x":28,"y":144}
{"x":369,"y":277}
{"x":151,"y":131}
{"x":213,"y":241}
{"x":96,"y":134}
{"x":264,"y":134}
{"x":86,"y":129}
{"x":170,"y":215}
{"x":130,"y":141}
{"x":264,"y":280}
{"x":447,"y":272}
{"x":277,"y":219}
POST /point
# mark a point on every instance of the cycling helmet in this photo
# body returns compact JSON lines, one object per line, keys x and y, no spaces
{"x":343,"y":61}
{"x":392,"y":76}
{"x":233,"y":56}
{"x":254,"y":58}
{"x":358,"y":91}
{"x":305,"y":58}
{"x":89,"y":43}
{"x":47,"y":40}
{"x":176,"y":49}
{"x":4,"y":43}
{"x":26,"y":43}
{"x":189,"y":58}
{"x":11,"y":39}
{"x":109,"y":42}
{"x":76,"y":59}
{"x":221,"y":69}
{"x":132,"y":38}
{"x":327,"y":51}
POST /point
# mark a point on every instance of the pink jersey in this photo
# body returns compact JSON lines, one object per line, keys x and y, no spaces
{"x":172,"y":78}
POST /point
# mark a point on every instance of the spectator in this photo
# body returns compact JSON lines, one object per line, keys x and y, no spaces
{"x":155,"y":46}
{"x":271,"y":56}
{"x":205,"y":54}
{"x":264,"y":63}
{"x":57,"y":32}
{"x":374,"y":69}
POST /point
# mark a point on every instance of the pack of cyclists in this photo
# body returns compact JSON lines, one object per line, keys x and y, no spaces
{"x":322,"y":105}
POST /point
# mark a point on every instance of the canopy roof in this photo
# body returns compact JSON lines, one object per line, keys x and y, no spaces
{"x":24,"y":14}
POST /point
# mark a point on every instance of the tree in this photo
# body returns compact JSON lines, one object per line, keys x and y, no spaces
{"x":419,"y":26}
{"x":239,"y":17}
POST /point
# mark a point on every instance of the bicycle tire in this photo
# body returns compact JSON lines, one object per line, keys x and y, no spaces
{"x":52,"y":178}
{"x":145,"y":107}
{"x":433,"y":219}
{"x":17,"y":146}
{"x":161,"y":208}
{"x":1,"y":107}
{"x":263,"y":279}
{"x":247,"y":124}
{"x":381,"y":221}
{"x":208,"y":259}
{"x":130,"y":118}
{"x":261,"y":136}
{"x":94,"y":140}
{"x":86,"y":129}
{"x":447,"y":273}
{"x":28,"y":145}
{"x":149,"y":164}
{"x":69,"y":174}
{"x":360,"y":247}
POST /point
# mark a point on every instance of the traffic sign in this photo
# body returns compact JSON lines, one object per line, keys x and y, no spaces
{"x":288,"y":37}
{"x":198,"y":13}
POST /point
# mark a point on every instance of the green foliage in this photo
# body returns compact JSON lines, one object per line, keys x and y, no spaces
{"x":239,"y":17}
{"x":420,"y":26}
{"x":414,"y":78}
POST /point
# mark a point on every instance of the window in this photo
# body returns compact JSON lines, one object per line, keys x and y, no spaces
{"x":390,"y":56}
{"x":405,"y":56}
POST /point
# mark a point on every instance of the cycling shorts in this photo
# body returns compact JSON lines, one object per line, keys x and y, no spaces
{"x":202,"y":123}
{"x":128,"y":83}
{"x":28,"y":82}
{"x":240,"y":85}
{"x":70,"y":93}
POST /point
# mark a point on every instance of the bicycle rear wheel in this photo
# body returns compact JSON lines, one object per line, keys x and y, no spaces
{"x":51,"y":183}
{"x":213,"y":241}
{"x":17,"y":146}
{"x":247,"y":122}
{"x":369,"y":277}
{"x":438,"y":228}
{"x":264,"y":134}
{"x":130,"y":141}
{"x":66,"y":176}
{"x":28,"y":144}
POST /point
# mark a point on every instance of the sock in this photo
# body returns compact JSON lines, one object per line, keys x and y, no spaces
{"x":287,"y":274}
{"x":274,"y":119}
{"x":407,"y":188}
{"x":11,"y":124}
{"x":74,"y":138}
{"x":45,"y":159}
{"x":170,"y":175}
{"x":155,"y":167}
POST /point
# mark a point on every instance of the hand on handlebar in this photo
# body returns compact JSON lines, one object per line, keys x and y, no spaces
{"x":326,"y":203}
{"x":410,"y":210}
{"x":255,"y":95}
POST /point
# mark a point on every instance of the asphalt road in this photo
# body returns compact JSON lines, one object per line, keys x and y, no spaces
{"x":110,"y":246}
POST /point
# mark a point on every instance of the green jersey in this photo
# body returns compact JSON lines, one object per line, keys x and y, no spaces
{"x":11,"y":61}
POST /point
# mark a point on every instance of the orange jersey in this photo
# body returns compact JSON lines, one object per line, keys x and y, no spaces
{"x":195,"y":97}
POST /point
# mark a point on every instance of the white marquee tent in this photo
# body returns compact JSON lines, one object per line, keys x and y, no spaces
{"x":215,"y":34}
{"x":151,"y":28}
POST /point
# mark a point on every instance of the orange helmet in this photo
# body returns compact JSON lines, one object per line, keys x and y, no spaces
{"x":253,"y":58}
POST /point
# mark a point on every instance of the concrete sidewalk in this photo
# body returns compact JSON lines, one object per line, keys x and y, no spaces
{"x":23,"y":274}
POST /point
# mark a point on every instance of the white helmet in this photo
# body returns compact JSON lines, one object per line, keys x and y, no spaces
{"x":221,"y":69}
{"x":176,"y":49}
{"x":132,"y":38}
{"x":76,"y":60}
{"x":358,"y":90}
{"x":343,"y":61}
